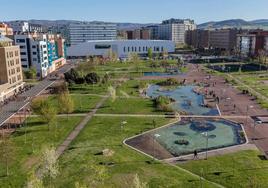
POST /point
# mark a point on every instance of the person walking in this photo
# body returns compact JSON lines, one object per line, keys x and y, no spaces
{"x":195,"y":154}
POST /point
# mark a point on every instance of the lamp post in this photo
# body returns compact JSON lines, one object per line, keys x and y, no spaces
{"x":248,"y":108}
{"x":205,"y":134}
{"x":155,"y":136}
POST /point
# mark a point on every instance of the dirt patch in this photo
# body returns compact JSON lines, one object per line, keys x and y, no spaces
{"x":147,"y":144}
{"x":29,"y":163}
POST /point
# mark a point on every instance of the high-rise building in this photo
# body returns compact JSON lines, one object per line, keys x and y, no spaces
{"x":86,"y":31}
{"x":175,"y":30}
{"x":154,"y":31}
{"x":5,"y":29}
{"x":11,"y":80}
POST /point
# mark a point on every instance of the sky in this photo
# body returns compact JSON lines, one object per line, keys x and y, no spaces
{"x":134,"y":11}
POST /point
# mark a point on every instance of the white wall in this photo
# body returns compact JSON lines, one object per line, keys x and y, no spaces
{"x":122,"y":47}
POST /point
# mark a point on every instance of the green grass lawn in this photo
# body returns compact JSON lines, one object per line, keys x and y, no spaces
{"x":239,"y":170}
{"x":105,"y":133}
{"x":27,"y":154}
{"x":88,"y":89}
{"x":82,"y":103}
{"x":129,"y":106}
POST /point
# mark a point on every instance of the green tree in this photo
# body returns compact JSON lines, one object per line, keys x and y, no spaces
{"x":134,"y":58}
{"x":66,"y":103}
{"x":7,"y":152}
{"x":46,"y":110}
{"x":150,"y":53}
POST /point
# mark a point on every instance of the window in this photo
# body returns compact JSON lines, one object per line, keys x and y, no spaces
{"x":124,"y":49}
{"x":102,"y":46}
{"x":34,"y":53}
{"x":22,"y":47}
{"x":23,"y":53}
{"x":23,"y":59}
{"x":33,"y":46}
{"x":20,"y":40}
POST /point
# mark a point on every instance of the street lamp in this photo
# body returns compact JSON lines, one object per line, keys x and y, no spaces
{"x":248,"y":108}
{"x":205,"y":134}
{"x":155,"y":137}
{"x":255,"y":124}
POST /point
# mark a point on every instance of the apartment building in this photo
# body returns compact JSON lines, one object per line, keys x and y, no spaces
{"x":22,"y":26}
{"x":44,"y":52}
{"x":11,"y":80}
{"x":86,"y":31}
{"x":250,"y":43}
{"x":175,"y":29}
{"x":5,"y":29}
{"x":223,"y":39}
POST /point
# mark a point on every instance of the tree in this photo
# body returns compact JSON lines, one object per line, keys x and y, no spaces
{"x":7,"y":152}
{"x":150,"y":53}
{"x":71,"y":76}
{"x":112,"y":93}
{"x":34,"y":182}
{"x":112,"y":56}
{"x":134,"y":58}
{"x":49,"y":164}
{"x":165,"y":54}
{"x":47,"y":111}
{"x":66,"y":103}
{"x":92,"y":78}
{"x":137,"y":183}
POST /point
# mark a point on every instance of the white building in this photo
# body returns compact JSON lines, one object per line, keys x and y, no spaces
{"x":121,"y":47}
{"x":34,"y":52}
{"x":22,"y":27}
{"x":84,"y":31}
{"x":175,"y":30}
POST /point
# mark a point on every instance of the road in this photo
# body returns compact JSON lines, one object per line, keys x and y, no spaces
{"x":10,"y":109}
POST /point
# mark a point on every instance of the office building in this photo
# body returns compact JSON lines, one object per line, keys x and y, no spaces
{"x":175,"y":30}
{"x":198,"y":39}
{"x":249,"y":44}
{"x":11,"y":80}
{"x":121,"y":47}
{"x":223,"y":39}
{"x":86,"y":31}
{"x":154,"y":31}
{"x":5,"y":29}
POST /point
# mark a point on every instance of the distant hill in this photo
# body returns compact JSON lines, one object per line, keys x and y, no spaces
{"x":236,"y":23}
{"x":49,"y":23}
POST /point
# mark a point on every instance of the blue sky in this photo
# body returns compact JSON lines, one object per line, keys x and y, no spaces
{"x":136,"y":11}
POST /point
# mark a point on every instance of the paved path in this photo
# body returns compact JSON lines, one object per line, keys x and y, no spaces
{"x":212,"y":153}
{"x":60,"y":150}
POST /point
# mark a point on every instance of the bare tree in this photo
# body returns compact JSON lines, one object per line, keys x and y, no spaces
{"x":262,"y":58}
{"x":66,"y":103}
{"x":112,"y":93}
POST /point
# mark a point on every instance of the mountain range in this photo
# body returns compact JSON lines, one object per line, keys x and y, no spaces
{"x":233,"y":23}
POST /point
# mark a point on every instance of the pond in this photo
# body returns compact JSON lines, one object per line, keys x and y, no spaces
{"x":193,"y":134}
{"x":162,"y":74}
{"x":186,"y":99}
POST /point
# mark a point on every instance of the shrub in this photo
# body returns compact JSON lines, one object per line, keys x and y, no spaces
{"x":162,"y":103}
{"x":169,"y":82}
{"x":92,"y":78}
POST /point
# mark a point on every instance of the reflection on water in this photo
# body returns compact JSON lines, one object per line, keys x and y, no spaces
{"x":186,"y":99}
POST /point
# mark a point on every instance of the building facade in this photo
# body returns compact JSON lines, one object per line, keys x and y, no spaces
{"x":22,"y":27}
{"x":121,"y":47}
{"x":249,"y":44}
{"x":11,"y":80}
{"x":139,"y":34}
{"x":175,"y":30}
{"x":198,"y":39}
{"x":86,"y":31}
{"x":43,"y":52}
{"x":223,"y":39}
{"x":5,"y":29}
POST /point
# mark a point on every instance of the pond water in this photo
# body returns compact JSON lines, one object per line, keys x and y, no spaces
{"x":188,"y":135}
{"x":186,"y":99}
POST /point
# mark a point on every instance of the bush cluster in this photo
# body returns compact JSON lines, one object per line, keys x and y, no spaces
{"x":73,"y":76}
